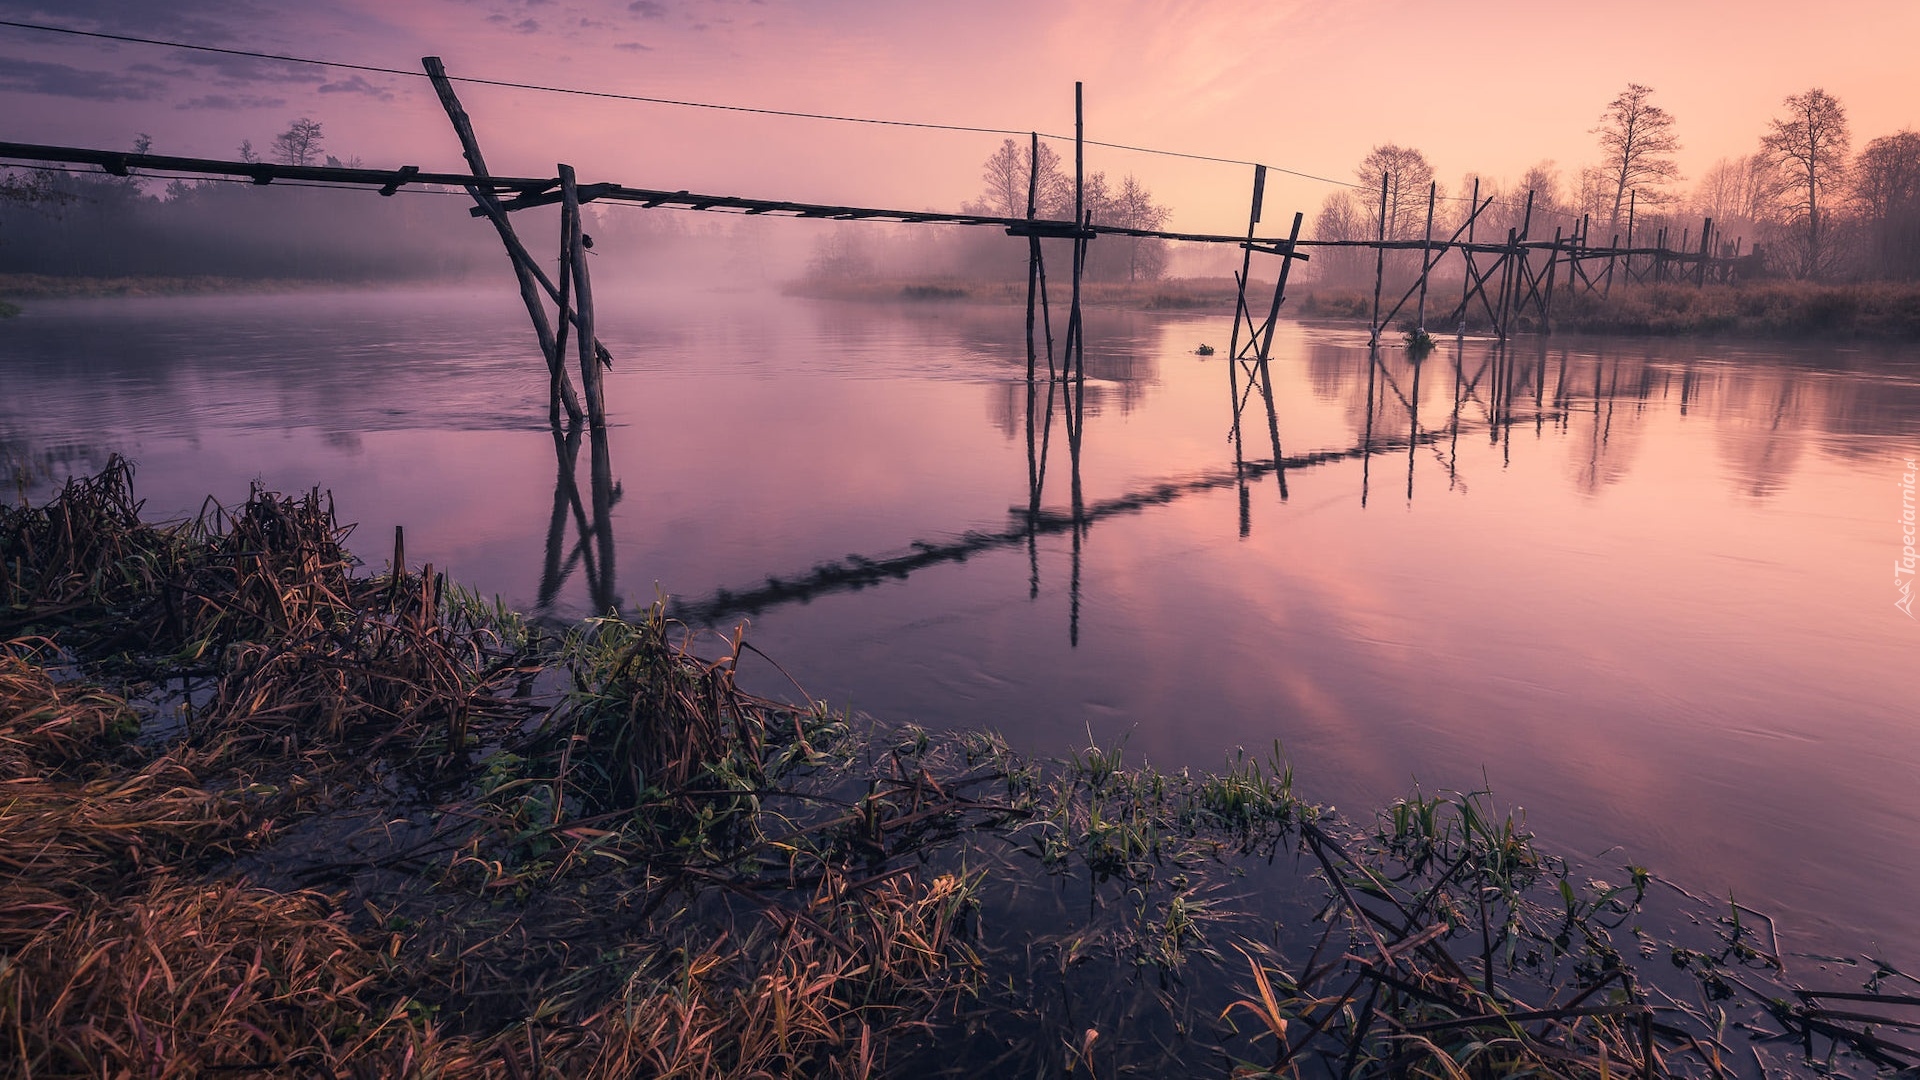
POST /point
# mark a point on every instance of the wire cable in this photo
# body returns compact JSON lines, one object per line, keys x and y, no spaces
{"x":682,"y":103}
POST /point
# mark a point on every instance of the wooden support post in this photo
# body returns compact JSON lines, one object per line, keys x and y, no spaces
{"x":1380,"y":261}
{"x":1507,"y":283}
{"x":569,"y":230}
{"x":1706,"y":234}
{"x":1466,"y":254}
{"x":1246,"y":262}
{"x":1546,"y":301}
{"x":1426,"y":254}
{"x":1076,"y":354}
{"x":1626,"y":269}
{"x":583,"y":306}
{"x":1033,"y":261}
{"x":1280,"y":291}
{"x":524,"y":267}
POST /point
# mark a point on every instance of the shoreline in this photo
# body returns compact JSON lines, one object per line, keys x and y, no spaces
{"x":467,"y":841}
{"x":1763,"y":310}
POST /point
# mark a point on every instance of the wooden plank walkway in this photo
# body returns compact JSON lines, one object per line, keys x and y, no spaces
{"x":517,"y":193}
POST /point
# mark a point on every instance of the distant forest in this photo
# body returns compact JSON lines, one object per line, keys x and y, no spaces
{"x":1802,"y":198}
{"x":101,"y":226}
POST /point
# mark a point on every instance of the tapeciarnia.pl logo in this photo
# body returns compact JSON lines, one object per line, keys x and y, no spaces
{"x":1903,"y":566}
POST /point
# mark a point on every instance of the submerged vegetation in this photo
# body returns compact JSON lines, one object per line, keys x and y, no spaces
{"x":262,"y":812}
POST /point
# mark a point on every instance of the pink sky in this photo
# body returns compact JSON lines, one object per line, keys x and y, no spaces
{"x":1489,"y":87}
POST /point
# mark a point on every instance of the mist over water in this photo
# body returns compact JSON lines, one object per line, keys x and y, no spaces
{"x":1644,"y":589}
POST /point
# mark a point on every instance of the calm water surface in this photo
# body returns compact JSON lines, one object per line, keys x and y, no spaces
{"x":1644,"y":589}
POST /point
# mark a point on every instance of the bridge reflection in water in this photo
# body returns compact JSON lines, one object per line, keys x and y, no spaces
{"x":1492,"y":390}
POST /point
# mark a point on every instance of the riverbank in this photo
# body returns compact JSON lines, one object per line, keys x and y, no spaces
{"x":1764,"y":309}
{"x":1199,"y":295}
{"x":16,"y":287}
{"x":266,"y":812}
{"x":1767,"y":309}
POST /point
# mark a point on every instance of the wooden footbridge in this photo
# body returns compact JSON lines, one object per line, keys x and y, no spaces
{"x":1511,"y":282}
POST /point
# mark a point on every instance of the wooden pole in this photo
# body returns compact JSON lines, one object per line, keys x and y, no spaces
{"x":583,"y":296}
{"x":1077,"y":331}
{"x":1279,"y":294}
{"x":1706,"y":233}
{"x":1246,"y":261}
{"x":1626,"y":263}
{"x":1033,"y":258}
{"x":1546,"y":301}
{"x":523,"y":264}
{"x":569,"y":233}
{"x":1466,"y":255}
{"x":1506,"y":283}
{"x":1426,"y":254}
{"x":1380,"y":261}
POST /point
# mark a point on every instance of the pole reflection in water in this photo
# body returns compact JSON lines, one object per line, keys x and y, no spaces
{"x":593,"y":548}
{"x":1381,"y":433}
{"x":1259,"y":377}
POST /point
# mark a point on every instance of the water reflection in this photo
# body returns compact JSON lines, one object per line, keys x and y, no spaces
{"x":592,"y":546}
{"x":1664,"y":587}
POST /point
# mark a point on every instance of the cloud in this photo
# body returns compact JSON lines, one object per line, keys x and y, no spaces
{"x":62,"y":80}
{"x":648,"y":9}
{"x":632,"y":46}
{"x":357,"y":85}
{"x":236,"y":71}
{"x":201,"y":21}
{"x":233,"y":101}
{"x":527,"y":26}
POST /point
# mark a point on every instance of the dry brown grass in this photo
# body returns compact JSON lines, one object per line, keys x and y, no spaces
{"x":46,"y":727}
{"x":1754,"y":309}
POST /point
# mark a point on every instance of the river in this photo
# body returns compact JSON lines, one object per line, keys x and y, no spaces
{"x":1643,"y":589}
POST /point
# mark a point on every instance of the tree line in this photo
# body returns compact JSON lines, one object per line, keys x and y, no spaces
{"x":1801,"y":199}
{"x":95,"y":225}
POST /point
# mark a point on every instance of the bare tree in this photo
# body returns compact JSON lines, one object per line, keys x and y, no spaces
{"x":1407,"y":174}
{"x":1340,"y":218}
{"x":1134,"y":208}
{"x":247,"y":153}
{"x":1635,"y":138}
{"x":1737,"y":189}
{"x":1809,"y":144}
{"x":1593,"y":194}
{"x":1007,"y":173}
{"x":1543,"y":179}
{"x":1886,"y":188}
{"x":300,"y":143}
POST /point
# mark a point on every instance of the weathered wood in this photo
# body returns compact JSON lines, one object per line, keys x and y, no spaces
{"x":1076,"y":354}
{"x":1426,"y":255}
{"x":523,"y":265}
{"x":1279,"y":297}
{"x":1467,"y":278}
{"x":569,"y":232}
{"x":590,"y":369}
{"x":588,"y":193}
{"x":1033,"y":278}
{"x":1706,"y":233}
{"x":1379,"y":263}
{"x":1246,"y":262}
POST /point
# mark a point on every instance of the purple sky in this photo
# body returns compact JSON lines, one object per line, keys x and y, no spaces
{"x":1489,"y":87}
